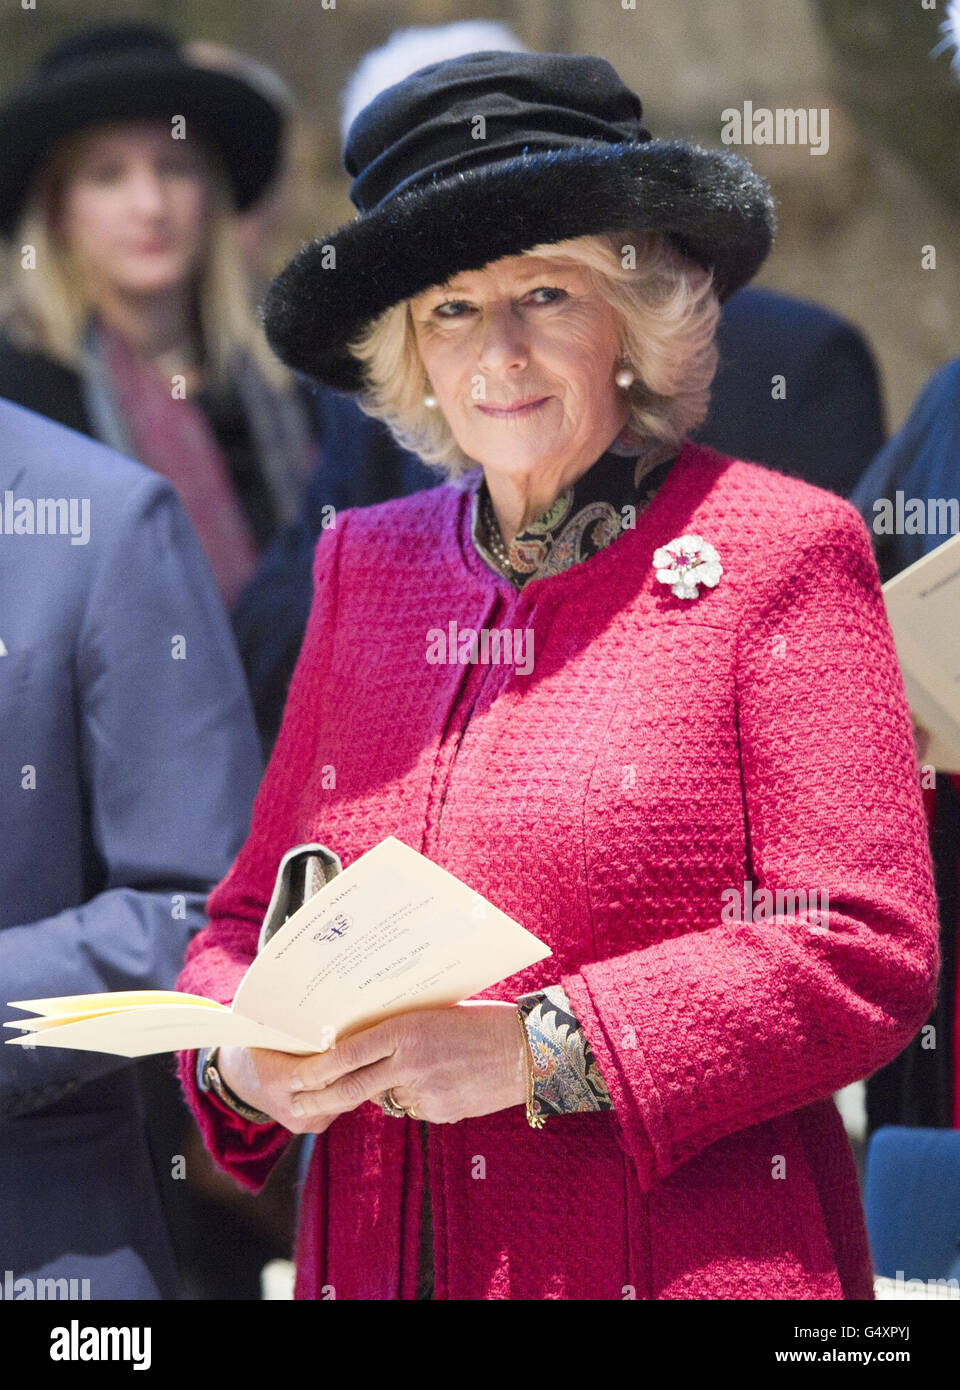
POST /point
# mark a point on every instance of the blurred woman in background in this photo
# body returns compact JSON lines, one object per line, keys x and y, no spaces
{"x":129,"y":311}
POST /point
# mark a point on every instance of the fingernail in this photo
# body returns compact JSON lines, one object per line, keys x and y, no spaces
{"x":296,"y":1084}
{"x":296,"y":1108}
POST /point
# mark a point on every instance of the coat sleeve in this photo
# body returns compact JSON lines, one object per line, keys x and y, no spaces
{"x":220,"y":955}
{"x":169,"y":762}
{"x":707,"y":1033}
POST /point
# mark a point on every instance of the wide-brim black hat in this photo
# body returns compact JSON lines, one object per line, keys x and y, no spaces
{"x":134,"y":72}
{"x":488,"y":155}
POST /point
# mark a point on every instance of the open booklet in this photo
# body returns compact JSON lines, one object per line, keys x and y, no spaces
{"x":923,"y":606}
{"x":391,"y":933}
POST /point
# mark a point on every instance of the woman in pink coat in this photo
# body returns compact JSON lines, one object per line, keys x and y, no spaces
{"x":641,"y":696}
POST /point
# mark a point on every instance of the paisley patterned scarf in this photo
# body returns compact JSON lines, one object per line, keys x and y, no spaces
{"x":585,"y":518}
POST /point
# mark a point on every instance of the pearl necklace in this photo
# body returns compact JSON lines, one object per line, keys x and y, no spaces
{"x":493,"y":539}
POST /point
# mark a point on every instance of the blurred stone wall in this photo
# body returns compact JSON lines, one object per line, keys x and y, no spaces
{"x":853,"y":221}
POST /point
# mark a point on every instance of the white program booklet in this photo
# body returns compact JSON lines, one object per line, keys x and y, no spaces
{"x":391,"y":933}
{"x":923,"y":605}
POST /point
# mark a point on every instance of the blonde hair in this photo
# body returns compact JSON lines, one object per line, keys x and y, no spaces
{"x":666,"y":312}
{"x":46,"y":309}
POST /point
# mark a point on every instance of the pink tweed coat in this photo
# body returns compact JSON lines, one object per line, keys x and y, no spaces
{"x":661,"y":754}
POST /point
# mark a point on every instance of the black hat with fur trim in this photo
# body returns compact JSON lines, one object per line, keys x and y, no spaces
{"x":488,"y":155}
{"x":127,"y":72}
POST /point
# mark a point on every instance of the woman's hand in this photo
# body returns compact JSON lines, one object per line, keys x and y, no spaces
{"x":447,"y":1064}
{"x":265,"y":1080}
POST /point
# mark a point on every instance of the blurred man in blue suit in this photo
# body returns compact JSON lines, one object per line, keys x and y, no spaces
{"x":128,"y":766}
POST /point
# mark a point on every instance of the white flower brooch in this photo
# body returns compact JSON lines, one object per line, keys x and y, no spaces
{"x":685,"y":563}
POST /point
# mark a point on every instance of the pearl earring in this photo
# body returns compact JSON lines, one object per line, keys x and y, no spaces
{"x":430,"y":402}
{"x":625,"y":377}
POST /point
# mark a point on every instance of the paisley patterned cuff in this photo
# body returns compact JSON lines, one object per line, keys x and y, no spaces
{"x":566,"y":1077}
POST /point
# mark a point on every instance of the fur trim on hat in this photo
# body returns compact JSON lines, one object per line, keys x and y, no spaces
{"x":711,"y":204}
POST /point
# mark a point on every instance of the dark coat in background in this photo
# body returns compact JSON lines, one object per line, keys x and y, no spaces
{"x":361,"y":464}
{"x":38,"y":383}
{"x":921,"y":1088}
{"x":830,"y":422}
{"x":145,"y":769}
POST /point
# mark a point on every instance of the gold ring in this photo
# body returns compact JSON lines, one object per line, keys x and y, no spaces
{"x":390,"y":1106}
